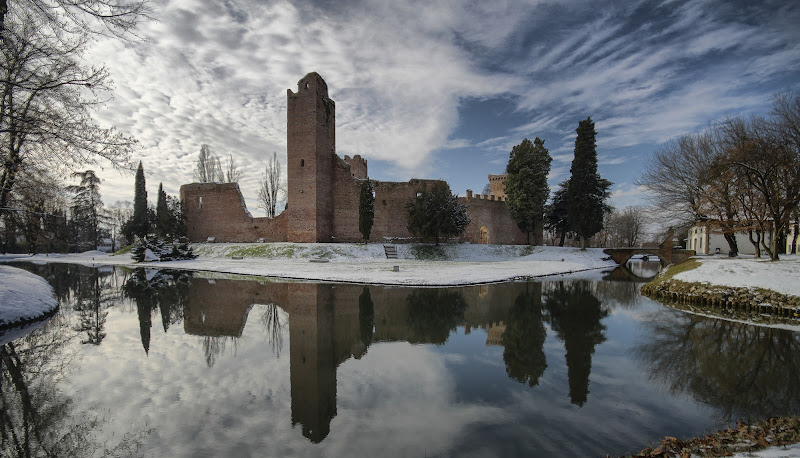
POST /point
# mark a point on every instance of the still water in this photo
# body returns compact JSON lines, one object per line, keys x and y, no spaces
{"x":164,"y":363}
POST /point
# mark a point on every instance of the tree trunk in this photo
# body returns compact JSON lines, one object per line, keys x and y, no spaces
{"x":731,"y":239}
{"x":756,"y":242}
{"x":561,"y":239}
{"x":794,"y":237}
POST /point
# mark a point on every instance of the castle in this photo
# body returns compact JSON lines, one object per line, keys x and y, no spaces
{"x":323,"y":192}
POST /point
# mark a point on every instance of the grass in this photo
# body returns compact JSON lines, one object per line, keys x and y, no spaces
{"x":428,"y":253}
{"x":673,"y":270}
{"x":124,"y":250}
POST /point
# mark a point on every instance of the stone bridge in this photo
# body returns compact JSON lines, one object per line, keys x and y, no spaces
{"x":665,"y":252}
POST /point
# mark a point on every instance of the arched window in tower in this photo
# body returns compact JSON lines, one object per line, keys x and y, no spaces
{"x":302,"y":162}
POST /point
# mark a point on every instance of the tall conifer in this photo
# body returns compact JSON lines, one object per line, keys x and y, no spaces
{"x":366,"y":209}
{"x":526,"y":185}
{"x":587,"y":191}
{"x":140,"y":224}
{"x":163,"y":216}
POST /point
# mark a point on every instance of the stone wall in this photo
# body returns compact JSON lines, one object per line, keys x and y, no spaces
{"x":218,"y":210}
{"x":489,"y":214}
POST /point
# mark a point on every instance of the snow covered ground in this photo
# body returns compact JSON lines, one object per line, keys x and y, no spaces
{"x":23,"y":296}
{"x":453,"y":265}
{"x":782,"y":276}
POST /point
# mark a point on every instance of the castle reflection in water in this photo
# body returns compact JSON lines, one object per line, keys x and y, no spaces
{"x":330,"y":323}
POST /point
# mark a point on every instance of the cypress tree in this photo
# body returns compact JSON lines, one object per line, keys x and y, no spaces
{"x":163,"y":216}
{"x":587,"y":191}
{"x":526,"y":185}
{"x":140,"y":224}
{"x":366,"y":209}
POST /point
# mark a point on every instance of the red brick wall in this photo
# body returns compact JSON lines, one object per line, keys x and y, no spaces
{"x":493,"y":215}
{"x":218,"y":210}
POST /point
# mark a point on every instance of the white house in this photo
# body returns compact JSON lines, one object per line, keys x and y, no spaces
{"x":704,"y":239}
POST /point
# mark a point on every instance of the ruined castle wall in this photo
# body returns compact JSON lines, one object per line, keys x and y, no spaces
{"x":218,"y":210}
{"x":358,"y":166}
{"x":490,"y":213}
{"x":346,"y":193}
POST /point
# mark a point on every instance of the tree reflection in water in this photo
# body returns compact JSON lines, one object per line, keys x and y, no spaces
{"x":36,"y":417}
{"x":366,"y":317}
{"x":524,"y":336}
{"x":162,"y":290}
{"x":273,"y":327}
{"x":744,"y":370}
{"x":433,"y":313}
{"x":575,"y":314}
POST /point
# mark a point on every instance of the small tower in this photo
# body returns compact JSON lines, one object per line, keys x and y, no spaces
{"x":311,"y":147}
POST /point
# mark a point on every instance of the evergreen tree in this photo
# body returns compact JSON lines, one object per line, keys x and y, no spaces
{"x":86,"y":206}
{"x":526,"y":185}
{"x":587,"y":191}
{"x":164,"y":217}
{"x":177,"y":214}
{"x":140,"y":224}
{"x":556,"y":219}
{"x":435,"y":214}
{"x":366,"y":209}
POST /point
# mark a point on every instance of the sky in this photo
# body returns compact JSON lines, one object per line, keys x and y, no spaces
{"x":441,"y":89}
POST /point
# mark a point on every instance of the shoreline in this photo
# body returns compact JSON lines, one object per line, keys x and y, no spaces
{"x":459,"y":265}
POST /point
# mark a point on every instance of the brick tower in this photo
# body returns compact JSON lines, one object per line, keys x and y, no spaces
{"x":311,"y":147}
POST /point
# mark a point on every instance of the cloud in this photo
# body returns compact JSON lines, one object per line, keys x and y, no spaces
{"x":217,"y":73}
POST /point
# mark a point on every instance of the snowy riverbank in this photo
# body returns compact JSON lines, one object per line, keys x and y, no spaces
{"x":24,"y":297}
{"x":417,"y":265}
{"x":747,"y":272}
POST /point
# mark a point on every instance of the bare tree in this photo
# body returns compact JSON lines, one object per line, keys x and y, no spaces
{"x":208,"y":169}
{"x":675,"y":179}
{"x":625,"y":227}
{"x":232,"y":172}
{"x":46,"y":98}
{"x":765,"y":152}
{"x":271,"y":186}
{"x":108,"y":17}
{"x":688,"y":180}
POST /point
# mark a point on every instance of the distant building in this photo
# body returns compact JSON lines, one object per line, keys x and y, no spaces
{"x":705,"y":239}
{"x":498,"y":185}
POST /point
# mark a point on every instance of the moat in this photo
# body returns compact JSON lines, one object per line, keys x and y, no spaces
{"x":167,"y":363}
